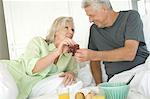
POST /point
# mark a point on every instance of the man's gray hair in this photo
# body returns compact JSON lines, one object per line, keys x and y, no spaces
{"x":96,"y":4}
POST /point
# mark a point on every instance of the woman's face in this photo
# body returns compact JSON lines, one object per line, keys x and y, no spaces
{"x":69,"y":28}
{"x":65,"y":31}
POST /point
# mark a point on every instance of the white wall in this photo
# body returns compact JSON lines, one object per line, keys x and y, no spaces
{"x":119,"y":5}
{"x":28,"y":18}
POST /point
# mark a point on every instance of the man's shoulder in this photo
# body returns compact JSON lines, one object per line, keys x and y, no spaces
{"x":132,"y":15}
{"x":131,"y":12}
{"x":93,"y":27}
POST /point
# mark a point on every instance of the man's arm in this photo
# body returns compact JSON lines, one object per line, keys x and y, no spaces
{"x":96,"y":71}
{"x":126,"y":53}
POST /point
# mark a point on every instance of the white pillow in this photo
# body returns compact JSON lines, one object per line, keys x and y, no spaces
{"x":8,"y":86}
{"x":50,"y":85}
{"x":146,"y":28}
{"x":84,"y":74}
{"x":141,"y":81}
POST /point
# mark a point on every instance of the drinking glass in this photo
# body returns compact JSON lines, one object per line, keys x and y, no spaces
{"x":99,"y":95}
{"x":63,"y":93}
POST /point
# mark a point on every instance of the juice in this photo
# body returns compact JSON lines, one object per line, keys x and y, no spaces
{"x":98,"y":97}
{"x":64,"y":96}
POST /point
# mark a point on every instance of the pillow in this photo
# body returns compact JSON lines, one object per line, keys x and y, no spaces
{"x":46,"y":86}
{"x":50,"y":85}
{"x":8,"y":86}
{"x":84,"y":74}
{"x":141,"y":81}
{"x":146,"y":28}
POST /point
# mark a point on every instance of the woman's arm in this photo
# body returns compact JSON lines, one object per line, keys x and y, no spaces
{"x":44,"y":62}
{"x":51,"y":58}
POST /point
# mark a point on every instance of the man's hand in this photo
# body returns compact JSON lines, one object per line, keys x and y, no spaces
{"x":73,"y":49}
{"x":85,"y":55}
{"x":69,"y":77}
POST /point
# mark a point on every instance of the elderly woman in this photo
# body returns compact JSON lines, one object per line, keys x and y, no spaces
{"x":45,"y":57}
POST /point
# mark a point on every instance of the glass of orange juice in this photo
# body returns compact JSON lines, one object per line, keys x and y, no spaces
{"x":98,"y":97}
{"x":63,"y":93}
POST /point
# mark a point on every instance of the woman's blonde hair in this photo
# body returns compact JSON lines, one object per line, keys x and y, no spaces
{"x":59,"y":22}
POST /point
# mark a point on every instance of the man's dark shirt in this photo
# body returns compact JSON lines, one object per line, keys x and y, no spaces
{"x":128,"y":26}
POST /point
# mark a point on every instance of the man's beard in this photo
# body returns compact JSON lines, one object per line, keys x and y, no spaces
{"x":100,"y":25}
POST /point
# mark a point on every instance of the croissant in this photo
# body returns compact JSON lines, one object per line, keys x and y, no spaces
{"x":79,"y":95}
{"x":90,"y":95}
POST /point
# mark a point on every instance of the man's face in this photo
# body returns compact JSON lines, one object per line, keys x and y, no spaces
{"x":96,"y":16}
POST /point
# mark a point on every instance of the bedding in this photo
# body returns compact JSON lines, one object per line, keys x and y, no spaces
{"x":139,"y":86}
{"x":8,"y":87}
{"x":146,"y":28}
{"x":46,"y":89}
{"x":84,"y":74}
{"x":50,"y":85}
{"x":140,"y":83}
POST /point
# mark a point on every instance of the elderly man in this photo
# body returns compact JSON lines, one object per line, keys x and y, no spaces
{"x":116,"y":39}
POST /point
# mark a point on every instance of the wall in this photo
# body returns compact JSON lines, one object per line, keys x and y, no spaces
{"x":28,"y":18}
{"x":3,"y":38}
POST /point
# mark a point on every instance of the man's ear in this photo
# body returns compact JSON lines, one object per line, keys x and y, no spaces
{"x":104,"y":8}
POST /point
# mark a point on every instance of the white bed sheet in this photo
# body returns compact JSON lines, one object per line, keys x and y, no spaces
{"x":139,"y":87}
{"x":50,"y":86}
{"x":8,"y":87}
{"x":140,"y":83}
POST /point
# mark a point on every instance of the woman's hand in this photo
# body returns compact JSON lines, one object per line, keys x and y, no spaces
{"x":69,"y":77}
{"x":63,"y":46}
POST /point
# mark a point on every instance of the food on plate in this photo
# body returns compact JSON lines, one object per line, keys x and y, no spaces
{"x":89,"y":95}
{"x":79,"y":95}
